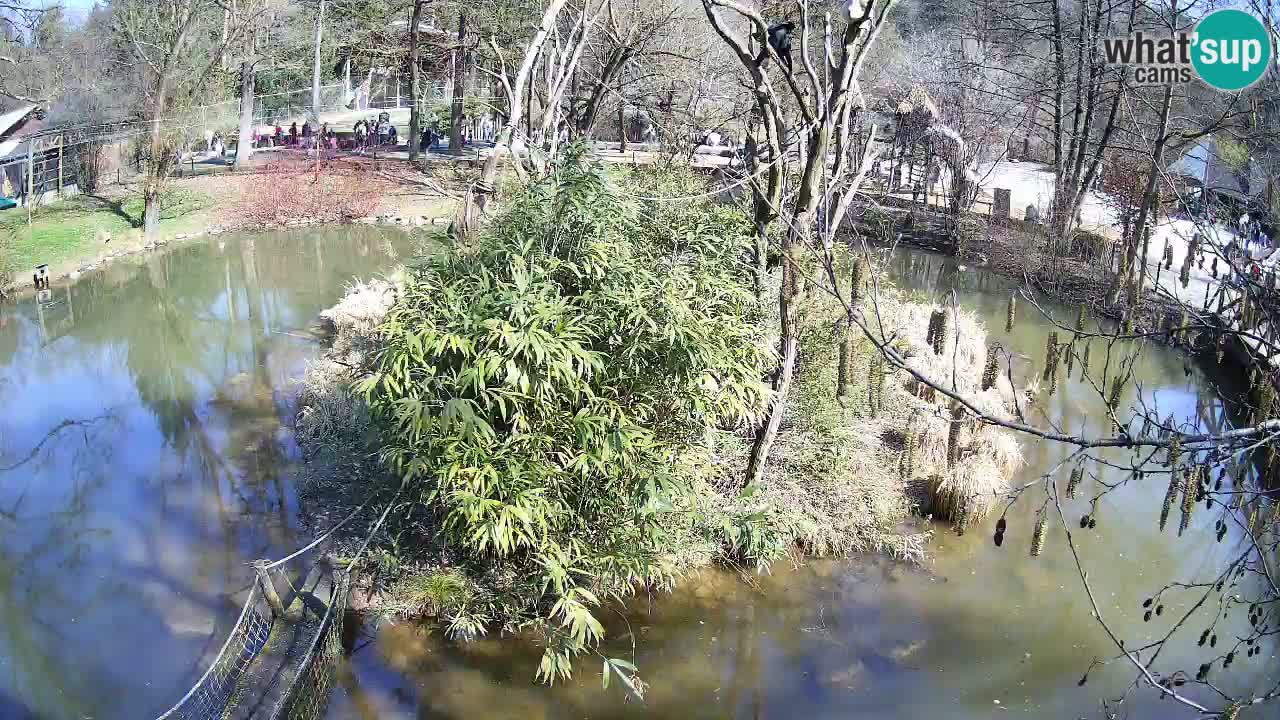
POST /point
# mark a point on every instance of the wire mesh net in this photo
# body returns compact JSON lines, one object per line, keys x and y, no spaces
{"x":210,"y":697}
{"x":308,"y":695}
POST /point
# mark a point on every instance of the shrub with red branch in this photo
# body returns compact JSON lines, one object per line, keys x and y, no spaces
{"x":291,"y":191}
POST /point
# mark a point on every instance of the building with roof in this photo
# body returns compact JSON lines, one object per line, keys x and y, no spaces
{"x":1209,"y":172}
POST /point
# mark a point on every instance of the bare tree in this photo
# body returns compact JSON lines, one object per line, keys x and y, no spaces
{"x":177,"y":59}
{"x":829,"y":108}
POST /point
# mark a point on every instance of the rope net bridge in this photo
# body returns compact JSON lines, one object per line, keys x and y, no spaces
{"x":280,"y":659}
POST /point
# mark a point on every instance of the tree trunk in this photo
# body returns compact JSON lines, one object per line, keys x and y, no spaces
{"x":516,"y":111}
{"x":415,"y":117}
{"x":157,"y":163}
{"x":794,"y":240}
{"x":622,"y":127}
{"x":790,"y":347}
{"x":315,"y":65}
{"x":244,"y":146}
{"x":459,"y":90}
{"x":618,"y":61}
{"x":346,"y":81}
{"x":1153,"y":177}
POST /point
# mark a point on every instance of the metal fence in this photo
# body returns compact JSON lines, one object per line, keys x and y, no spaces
{"x":209,"y":698}
{"x":308,"y":694}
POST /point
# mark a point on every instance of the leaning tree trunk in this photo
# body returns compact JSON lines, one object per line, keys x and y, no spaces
{"x":459,"y":91}
{"x":244,"y":145}
{"x":793,"y":242}
{"x":617,"y":62}
{"x":476,"y":202}
{"x":790,"y":349}
{"x":415,"y":117}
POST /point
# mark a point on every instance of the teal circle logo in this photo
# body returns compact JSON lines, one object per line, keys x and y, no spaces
{"x":1232,"y":49}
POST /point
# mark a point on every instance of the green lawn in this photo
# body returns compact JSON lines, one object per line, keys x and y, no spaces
{"x":67,"y":230}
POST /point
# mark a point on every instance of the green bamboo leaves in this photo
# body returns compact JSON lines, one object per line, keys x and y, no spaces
{"x":535,"y":386}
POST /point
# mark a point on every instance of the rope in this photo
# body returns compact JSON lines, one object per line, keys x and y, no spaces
{"x":244,"y":612}
{"x":378,"y":525}
{"x":322,"y":537}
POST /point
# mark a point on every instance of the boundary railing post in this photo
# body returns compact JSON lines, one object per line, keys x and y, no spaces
{"x":269,"y":590}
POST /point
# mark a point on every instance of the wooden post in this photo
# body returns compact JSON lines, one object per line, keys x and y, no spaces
{"x":31,"y":170}
{"x":269,"y":589}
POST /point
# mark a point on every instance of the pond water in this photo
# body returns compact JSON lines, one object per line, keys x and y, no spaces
{"x":145,"y":457}
{"x":979,"y":632}
{"x":144,"y":461}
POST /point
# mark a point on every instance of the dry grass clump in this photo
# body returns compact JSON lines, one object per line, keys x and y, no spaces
{"x":329,"y":411}
{"x":351,"y":323}
{"x":967,"y":463}
{"x":331,"y":415}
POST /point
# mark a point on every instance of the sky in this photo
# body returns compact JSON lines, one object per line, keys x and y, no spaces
{"x":76,"y":9}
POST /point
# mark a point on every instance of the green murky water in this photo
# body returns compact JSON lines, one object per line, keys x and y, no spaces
{"x":145,"y":457}
{"x":979,"y":632}
{"x":144,"y":461}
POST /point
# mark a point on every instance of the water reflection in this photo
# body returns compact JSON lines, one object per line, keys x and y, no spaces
{"x":978,"y":633}
{"x":143,"y":460}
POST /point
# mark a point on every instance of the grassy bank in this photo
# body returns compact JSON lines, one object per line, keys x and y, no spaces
{"x":570,"y":402}
{"x":76,"y":230}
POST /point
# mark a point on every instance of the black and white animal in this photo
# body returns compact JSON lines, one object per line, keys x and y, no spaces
{"x":780,"y":41}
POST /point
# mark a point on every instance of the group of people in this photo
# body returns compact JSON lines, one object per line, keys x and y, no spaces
{"x":1253,"y":233}
{"x":308,"y":137}
{"x":375,"y":131}
{"x":214,"y":144}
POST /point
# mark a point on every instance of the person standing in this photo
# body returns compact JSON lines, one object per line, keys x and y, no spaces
{"x":293,"y":134}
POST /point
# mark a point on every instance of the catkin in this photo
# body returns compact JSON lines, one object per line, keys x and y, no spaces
{"x":953,"y":434}
{"x":1074,"y":482}
{"x":937,"y":334}
{"x":907,"y":466}
{"x":857,"y":277}
{"x":1170,"y":496}
{"x":1050,"y":355}
{"x":1041,"y":532}
{"x":1113,"y":402}
{"x":875,"y":384}
{"x":991,"y":368}
{"x":1013,"y":310}
{"x":1190,"y":485}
